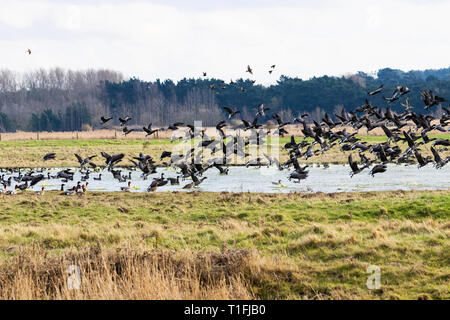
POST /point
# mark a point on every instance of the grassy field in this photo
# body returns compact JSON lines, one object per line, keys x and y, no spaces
{"x":29,"y":153}
{"x":220,"y":246}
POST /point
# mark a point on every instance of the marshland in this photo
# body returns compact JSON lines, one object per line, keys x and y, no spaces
{"x":275,"y":184}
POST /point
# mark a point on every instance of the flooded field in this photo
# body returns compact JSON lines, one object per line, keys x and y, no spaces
{"x":335,"y":178}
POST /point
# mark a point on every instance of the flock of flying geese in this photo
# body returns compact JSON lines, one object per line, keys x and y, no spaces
{"x":192,"y":165}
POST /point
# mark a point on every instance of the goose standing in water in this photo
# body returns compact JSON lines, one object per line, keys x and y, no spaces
{"x":127,"y":188}
{"x":153,"y":186}
{"x":174,"y":181}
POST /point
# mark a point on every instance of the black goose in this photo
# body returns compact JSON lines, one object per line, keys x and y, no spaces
{"x":353,"y":166}
{"x":127,"y":131}
{"x":379,"y":168}
{"x":421,"y":160}
{"x":124,"y":121}
{"x":85,"y":161}
{"x":49,"y":156}
{"x":438,"y":161}
{"x":230,"y":111}
{"x":149,"y":130}
{"x":174,"y":181}
{"x":105,"y":119}
{"x":112,"y":160}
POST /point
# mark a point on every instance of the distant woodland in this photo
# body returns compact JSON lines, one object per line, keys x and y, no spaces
{"x":65,"y":100}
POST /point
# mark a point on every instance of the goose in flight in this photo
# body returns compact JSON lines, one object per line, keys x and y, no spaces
{"x":377,"y":90}
{"x":112,"y":160}
{"x":353,"y":166}
{"x":49,"y":156}
{"x":149,"y":130}
{"x":231,"y":112}
{"x":175,"y":126}
{"x":438,"y":161}
{"x":85,"y":161}
{"x":261,"y":110}
{"x":124,"y":121}
{"x":126,"y":130}
{"x":105,"y":120}
{"x":401,"y":90}
{"x":379,"y":168}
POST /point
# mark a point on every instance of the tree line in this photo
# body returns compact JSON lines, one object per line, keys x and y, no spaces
{"x":66,"y":100}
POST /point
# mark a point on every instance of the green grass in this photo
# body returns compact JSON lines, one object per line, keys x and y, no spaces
{"x":310,"y":245}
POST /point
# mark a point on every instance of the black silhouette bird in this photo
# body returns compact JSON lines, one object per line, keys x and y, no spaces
{"x":124,"y":121}
{"x":438,"y":161}
{"x":112,"y":160}
{"x":105,"y":120}
{"x":353,"y":166}
{"x":126,"y":130}
{"x":149,"y":130}
{"x":421,"y":160}
{"x":379,"y":168}
{"x":175,"y":126}
{"x":249,"y":70}
{"x":377,"y":90}
{"x":36,"y":179}
{"x":85,"y":161}
{"x":442,"y":142}
{"x":49,"y":156}
{"x":231,"y":113}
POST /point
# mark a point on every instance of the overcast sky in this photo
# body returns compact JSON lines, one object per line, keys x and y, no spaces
{"x":176,"y":39}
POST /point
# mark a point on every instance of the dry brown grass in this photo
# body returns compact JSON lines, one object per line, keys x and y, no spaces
{"x":81,"y":135}
{"x":140,"y":135}
{"x":126,"y":274}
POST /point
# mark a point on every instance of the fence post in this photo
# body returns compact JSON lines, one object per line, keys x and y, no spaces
{"x":37,"y":135}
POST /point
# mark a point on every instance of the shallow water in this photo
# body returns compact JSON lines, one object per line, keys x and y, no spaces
{"x":241,"y":179}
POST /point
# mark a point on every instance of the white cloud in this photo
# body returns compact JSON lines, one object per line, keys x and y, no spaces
{"x":161,"y":41}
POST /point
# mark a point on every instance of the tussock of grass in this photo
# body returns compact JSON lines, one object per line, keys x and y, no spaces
{"x":126,"y":274}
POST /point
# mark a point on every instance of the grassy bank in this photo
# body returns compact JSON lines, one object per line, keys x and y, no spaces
{"x":29,"y":153}
{"x":227,"y":245}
